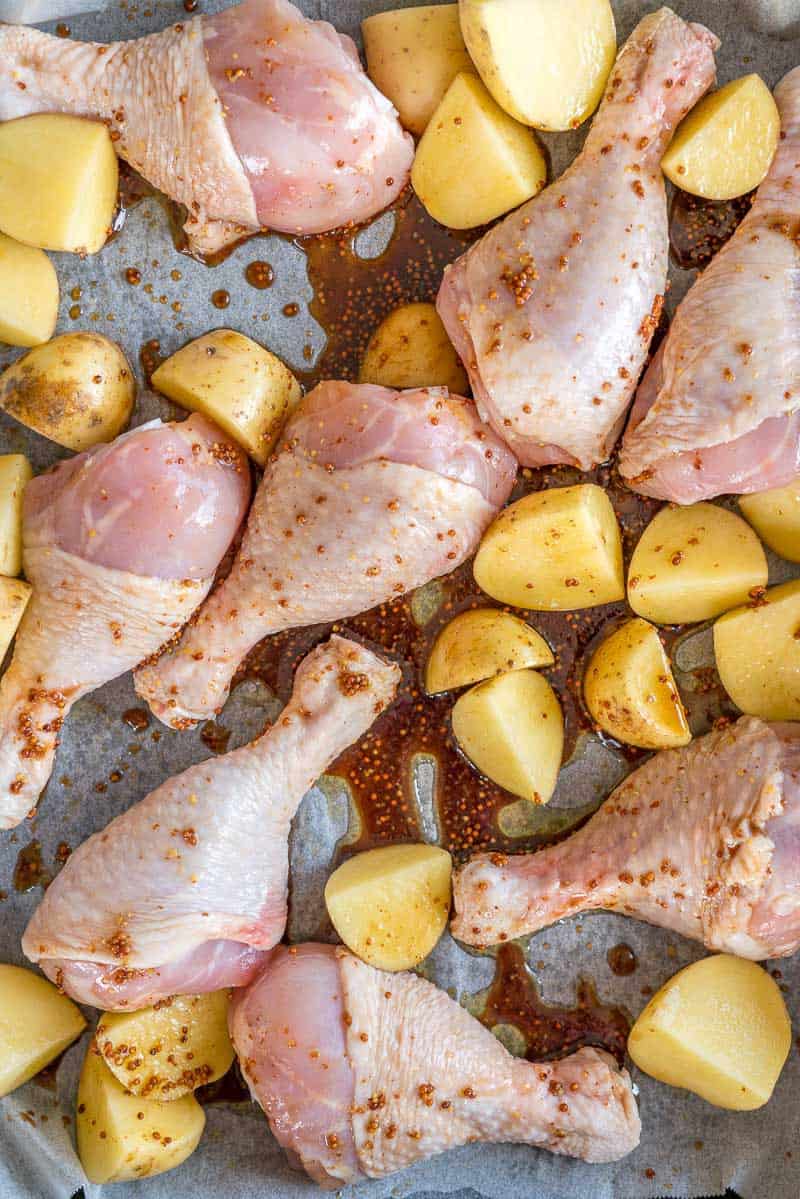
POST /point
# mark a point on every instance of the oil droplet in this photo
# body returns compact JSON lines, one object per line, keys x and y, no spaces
{"x":175,"y":275}
{"x":221,"y":298}
{"x":150,"y":357}
{"x":621,"y":959}
{"x":190,"y":5}
{"x":133,"y":276}
{"x":291,"y":309}
{"x":76,"y":293}
{"x":259,"y":274}
{"x":176,"y":306}
{"x":29,"y":871}
{"x":136,"y":719}
{"x":215,"y":736}
{"x":75,"y":312}
{"x":63,"y":30}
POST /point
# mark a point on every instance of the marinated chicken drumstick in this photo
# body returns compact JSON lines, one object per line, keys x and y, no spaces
{"x":373,"y":492}
{"x":552,"y":312}
{"x":120,"y":545}
{"x":701,"y":840}
{"x":362,"y":1073}
{"x":186,"y":891}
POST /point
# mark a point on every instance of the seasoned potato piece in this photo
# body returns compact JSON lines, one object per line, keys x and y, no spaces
{"x":545,"y":63}
{"x":28,"y":294}
{"x":37,"y":1023}
{"x":725,"y":146}
{"x":14,"y":596}
{"x":15,"y":473}
{"x":390,"y":905}
{"x":474,"y":161}
{"x":58,"y":182}
{"x":775,"y":516}
{"x":694,"y":563}
{"x":630,"y":691}
{"x":411,"y":349}
{"x":512,"y":729}
{"x":719,"y":1028}
{"x":123,"y":1136}
{"x":757,"y":648}
{"x":77,"y":389}
{"x":413,"y":55}
{"x":169,"y":1050}
{"x":553,"y":550}
{"x":235,"y":382}
{"x":481,"y":643}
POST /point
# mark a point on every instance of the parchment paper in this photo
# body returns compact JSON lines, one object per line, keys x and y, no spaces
{"x":688,"y":1148}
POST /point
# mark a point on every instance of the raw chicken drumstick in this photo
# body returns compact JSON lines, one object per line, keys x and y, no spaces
{"x":362,"y":1073}
{"x":701,"y":840}
{"x":120,"y":545}
{"x":553,"y":310}
{"x":719,"y":408}
{"x":254,"y":117}
{"x":186,"y":891}
{"x":373,"y":492}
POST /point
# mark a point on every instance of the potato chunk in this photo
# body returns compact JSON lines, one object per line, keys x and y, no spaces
{"x":474,"y":161}
{"x":413,"y":55}
{"x":512,"y":729}
{"x":481,"y":643}
{"x":14,"y":596}
{"x":235,"y":382}
{"x":28,"y":294}
{"x":545,"y":63}
{"x":553,"y":550}
{"x":775,"y":516}
{"x":757,"y":648}
{"x":123,"y":1136}
{"x":725,"y":146}
{"x":58,"y":182}
{"x":411,"y":349}
{"x":719,"y":1028}
{"x":168,"y":1050}
{"x":15,"y":474}
{"x":390,"y":905}
{"x":693,"y":563}
{"x":630,"y":692}
{"x":36,"y":1024}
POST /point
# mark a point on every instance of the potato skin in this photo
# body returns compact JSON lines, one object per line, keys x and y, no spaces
{"x":37,"y":1023}
{"x":410,"y":348}
{"x":758,"y":654}
{"x":479,"y":644}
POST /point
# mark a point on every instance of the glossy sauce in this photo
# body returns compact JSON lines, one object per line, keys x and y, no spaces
{"x":30,"y":871}
{"x":621,"y":960}
{"x":698,"y":228}
{"x":259,"y":275}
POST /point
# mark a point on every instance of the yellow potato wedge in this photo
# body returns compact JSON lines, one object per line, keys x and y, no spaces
{"x":693,"y":563}
{"x":171,"y":1049}
{"x":123,"y":1136}
{"x":58,"y":182}
{"x":479,"y":644}
{"x":512,"y":729}
{"x":413,"y":55}
{"x":474,"y":161}
{"x":725,"y":146}
{"x":719,"y":1028}
{"x":757,"y":648}
{"x":37,"y":1023}
{"x":411,"y":349}
{"x":554,"y":550}
{"x":15,"y":474}
{"x":390,"y":905}
{"x":235,"y":382}
{"x":545,"y":63}
{"x":28,"y":294}
{"x":775,"y":516}
{"x":630,"y":692}
{"x":14,"y":596}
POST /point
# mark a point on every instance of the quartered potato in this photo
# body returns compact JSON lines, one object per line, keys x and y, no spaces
{"x":775,"y":516}
{"x":37,"y":1023}
{"x":725,"y":146}
{"x":630,"y":692}
{"x":168,"y":1050}
{"x":390,"y":905}
{"x":512,"y":729}
{"x":15,"y":474}
{"x":413,"y":55}
{"x":719,"y":1028}
{"x":554,"y":550}
{"x":14,"y":596}
{"x":410,"y":348}
{"x":28,"y":294}
{"x":474,"y":161}
{"x":77,"y":389}
{"x":58,"y":182}
{"x":235,"y":382}
{"x":546,"y":63}
{"x":479,"y":644}
{"x":757,"y":648}
{"x":693,"y":563}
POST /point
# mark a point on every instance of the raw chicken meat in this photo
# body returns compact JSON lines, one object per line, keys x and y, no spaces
{"x":254,"y":117}
{"x":702,"y":840}
{"x":121,"y":545}
{"x":373,"y":492}
{"x":186,"y":891}
{"x":719,"y":409}
{"x":362,"y":1073}
{"x":553,"y":310}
